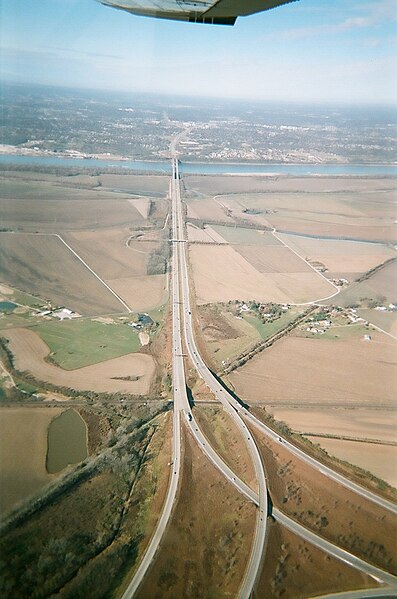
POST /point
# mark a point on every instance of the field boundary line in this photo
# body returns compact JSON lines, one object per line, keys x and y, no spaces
{"x":93,"y":272}
{"x":120,"y":299}
{"x":274,"y":233}
{"x":382,"y":330}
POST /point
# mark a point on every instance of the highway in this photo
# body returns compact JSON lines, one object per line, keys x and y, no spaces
{"x":219,"y":392}
{"x":339,"y":478}
{"x":181,"y":320}
{"x":235,"y":409}
{"x":175,"y":465}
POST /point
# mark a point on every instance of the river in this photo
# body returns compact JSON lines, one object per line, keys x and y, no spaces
{"x":205,"y":168}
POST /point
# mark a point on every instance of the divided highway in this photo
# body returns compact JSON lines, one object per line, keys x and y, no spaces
{"x":178,"y":237}
{"x":182,"y":321}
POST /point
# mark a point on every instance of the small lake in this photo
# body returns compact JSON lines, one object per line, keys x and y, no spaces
{"x":66,"y":441}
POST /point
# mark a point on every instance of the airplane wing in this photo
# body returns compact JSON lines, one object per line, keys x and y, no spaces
{"x":220,"y":12}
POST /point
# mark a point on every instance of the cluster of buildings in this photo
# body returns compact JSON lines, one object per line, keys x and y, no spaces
{"x":60,"y":312}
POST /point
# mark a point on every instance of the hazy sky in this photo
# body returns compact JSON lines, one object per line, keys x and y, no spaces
{"x":317,"y":50}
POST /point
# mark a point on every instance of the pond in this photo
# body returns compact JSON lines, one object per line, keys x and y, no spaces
{"x":66,"y":441}
{"x":7,"y":306}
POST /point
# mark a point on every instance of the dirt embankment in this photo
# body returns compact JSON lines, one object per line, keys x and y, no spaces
{"x":206,"y":547}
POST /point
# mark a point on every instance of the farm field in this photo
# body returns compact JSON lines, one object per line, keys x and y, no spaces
{"x":151,"y":185}
{"x":381,"y":460}
{"x":334,"y":207}
{"x":382,"y":284}
{"x":273,"y":259}
{"x":384,"y":320}
{"x":253,"y":184}
{"x":23,"y":450}
{"x":250,"y":237}
{"x":208,"y":210}
{"x":205,"y":235}
{"x":347,"y":259}
{"x":321,"y":372}
{"x":131,"y":373}
{"x":109,"y":252}
{"x":373,"y":423}
{"x":78,"y":343}
{"x":49,"y":205}
{"x":350,"y":427}
{"x":220,"y":274}
{"x":142,"y":293}
{"x":43,"y":265}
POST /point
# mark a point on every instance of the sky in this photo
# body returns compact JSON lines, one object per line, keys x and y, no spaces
{"x":307,"y":51}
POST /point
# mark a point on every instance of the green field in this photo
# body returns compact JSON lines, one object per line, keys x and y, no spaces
{"x":271,"y":328}
{"x":245,"y":236}
{"x":77,"y":343}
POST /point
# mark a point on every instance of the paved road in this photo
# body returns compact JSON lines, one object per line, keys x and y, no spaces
{"x":339,"y":478}
{"x":363,"y":594}
{"x":255,"y":561}
{"x":181,"y":304}
{"x":381,"y":576}
{"x":235,"y":408}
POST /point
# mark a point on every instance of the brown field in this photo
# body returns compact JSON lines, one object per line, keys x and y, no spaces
{"x":325,"y":228}
{"x":141,"y":293}
{"x":128,"y":181}
{"x":322,"y":371}
{"x":142,"y":205}
{"x":207,"y":543}
{"x":334,"y":512}
{"x":30,"y":352}
{"x":55,"y":215}
{"x":381,"y":460}
{"x":373,"y":423}
{"x":339,"y":207}
{"x":207,"y":235}
{"x":218,"y":184}
{"x":221,"y":274}
{"x":275,"y":259}
{"x":381,"y":284}
{"x":298,"y":570}
{"x":122,"y":263}
{"x":340,"y":256}
{"x":145,"y":184}
{"x":107,"y":252}
{"x":358,"y":423}
{"x":23,"y":450}
{"x":44,"y":266}
{"x":207,"y":210}
{"x":226,"y":439}
{"x":384,"y":320}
